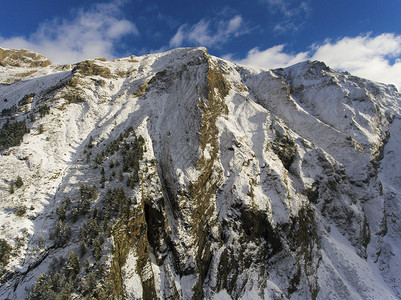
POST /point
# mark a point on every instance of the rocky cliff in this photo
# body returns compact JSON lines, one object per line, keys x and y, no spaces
{"x":180,"y":175}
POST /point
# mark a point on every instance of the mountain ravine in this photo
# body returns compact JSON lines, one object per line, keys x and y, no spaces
{"x":179,"y":175}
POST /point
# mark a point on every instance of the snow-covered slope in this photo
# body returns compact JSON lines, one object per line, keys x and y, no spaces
{"x":180,"y":175}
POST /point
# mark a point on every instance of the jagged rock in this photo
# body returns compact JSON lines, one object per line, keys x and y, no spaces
{"x":21,"y":64}
{"x":22,"y":58}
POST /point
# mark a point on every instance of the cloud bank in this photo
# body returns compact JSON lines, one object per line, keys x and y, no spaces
{"x":377,"y":58}
{"x":89,"y":34}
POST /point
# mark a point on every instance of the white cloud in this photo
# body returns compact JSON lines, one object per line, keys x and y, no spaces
{"x":376,"y":58}
{"x":204,"y":33}
{"x":200,"y":33}
{"x":88,"y":34}
{"x":178,"y":38}
{"x":370,"y":57}
{"x":233,"y":25}
{"x":273,"y":57}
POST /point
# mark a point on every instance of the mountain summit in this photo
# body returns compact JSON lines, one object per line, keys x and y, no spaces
{"x":179,"y":175}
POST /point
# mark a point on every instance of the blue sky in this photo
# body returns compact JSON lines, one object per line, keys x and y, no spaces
{"x":362,"y":37}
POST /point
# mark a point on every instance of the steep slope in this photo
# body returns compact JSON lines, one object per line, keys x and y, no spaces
{"x":179,"y":175}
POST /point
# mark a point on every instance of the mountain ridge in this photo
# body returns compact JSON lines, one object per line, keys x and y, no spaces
{"x":233,"y":182}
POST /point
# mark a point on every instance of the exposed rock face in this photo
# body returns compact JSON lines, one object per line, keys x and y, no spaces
{"x":19,"y":64}
{"x":22,"y":58}
{"x":183,"y":176}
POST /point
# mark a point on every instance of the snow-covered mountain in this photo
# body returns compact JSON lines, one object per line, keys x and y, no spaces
{"x":180,"y":175}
